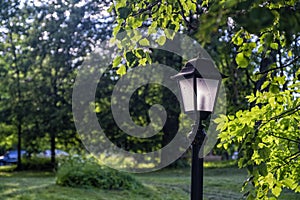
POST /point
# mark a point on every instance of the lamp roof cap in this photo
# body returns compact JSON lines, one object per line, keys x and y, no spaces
{"x":201,"y":68}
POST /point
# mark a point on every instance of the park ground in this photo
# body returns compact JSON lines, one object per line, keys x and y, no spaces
{"x":167,"y":184}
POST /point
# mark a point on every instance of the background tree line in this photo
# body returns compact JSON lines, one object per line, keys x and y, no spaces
{"x":42,"y":44}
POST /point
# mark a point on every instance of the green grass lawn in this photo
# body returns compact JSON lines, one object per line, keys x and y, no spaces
{"x":220,"y":183}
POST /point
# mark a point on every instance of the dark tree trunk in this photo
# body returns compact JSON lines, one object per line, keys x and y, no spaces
{"x":52,"y":140}
{"x":19,"y":161}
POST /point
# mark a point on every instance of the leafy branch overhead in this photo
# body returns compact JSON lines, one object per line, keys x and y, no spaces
{"x":257,"y":44}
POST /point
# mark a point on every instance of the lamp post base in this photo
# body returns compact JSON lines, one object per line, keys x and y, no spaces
{"x":197,"y":165}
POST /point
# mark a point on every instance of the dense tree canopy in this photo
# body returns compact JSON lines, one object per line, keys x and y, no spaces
{"x":42,"y":44}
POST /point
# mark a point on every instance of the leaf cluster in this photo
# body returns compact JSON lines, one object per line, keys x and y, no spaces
{"x":268,"y":138}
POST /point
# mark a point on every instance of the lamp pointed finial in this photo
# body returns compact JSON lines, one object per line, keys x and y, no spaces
{"x":200,"y":55}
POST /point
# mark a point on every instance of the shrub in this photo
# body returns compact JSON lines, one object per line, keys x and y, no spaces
{"x":180,"y":163}
{"x":79,"y":172}
{"x":37,"y":164}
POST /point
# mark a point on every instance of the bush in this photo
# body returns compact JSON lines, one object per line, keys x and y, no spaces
{"x":37,"y":164}
{"x":79,"y":172}
{"x":180,"y":163}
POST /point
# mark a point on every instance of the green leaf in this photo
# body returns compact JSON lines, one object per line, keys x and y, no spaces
{"x":137,"y":36}
{"x":169,"y":34}
{"x":274,"y":46}
{"x":231,"y":117}
{"x":148,"y":58}
{"x":298,"y":73}
{"x":251,"y":98}
{"x":265,"y":84}
{"x":272,"y":102}
{"x":110,"y":9}
{"x":274,"y":88}
{"x":152,"y":28}
{"x":119,"y":36}
{"x":270,"y":179}
{"x":116,"y":30}
{"x":242,"y":162}
{"x":205,"y":3}
{"x":272,"y":198}
{"x":191,"y":5}
{"x":241,"y":60}
{"x":124,"y":12}
{"x":251,"y":197}
{"x":260,"y":49}
{"x":221,"y":118}
{"x":144,"y":42}
{"x":290,"y":53}
{"x":221,"y":127}
{"x":276,"y":191}
{"x":262,"y":169}
{"x":139,"y":53}
{"x":290,"y":183}
{"x":256,"y":19}
{"x":239,"y":41}
{"x":230,"y":3}
{"x":120,"y":3}
{"x":280,"y":79}
{"x":161,"y":40}
{"x":122,"y":70}
{"x":134,"y":22}
{"x":143,"y":61}
{"x":169,"y":9}
{"x":130,"y":57}
{"x":117,"y":61}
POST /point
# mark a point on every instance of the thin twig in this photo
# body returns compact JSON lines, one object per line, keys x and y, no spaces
{"x":293,"y":156}
{"x":281,"y":67}
{"x":149,"y":7}
{"x":286,"y":163}
{"x":283,"y":114}
{"x":249,"y":77}
{"x":284,"y":138}
{"x":182,"y":14}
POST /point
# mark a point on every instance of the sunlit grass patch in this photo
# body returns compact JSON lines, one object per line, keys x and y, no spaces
{"x":220,"y":164}
{"x":7,"y":168}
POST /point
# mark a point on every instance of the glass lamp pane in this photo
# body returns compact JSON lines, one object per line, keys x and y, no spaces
{"x":206,"y":94}
{"x":187,"y":93}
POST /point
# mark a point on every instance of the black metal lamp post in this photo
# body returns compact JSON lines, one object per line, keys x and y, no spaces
{"x":199,"y":82}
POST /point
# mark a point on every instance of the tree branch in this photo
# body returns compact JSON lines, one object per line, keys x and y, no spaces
{"x":281,"y":67}
{"x":249,"y":77}
{"x":283,"y":114}
{"x":187,"y":23}
{"x":149,"y":7}
{"x":291,"y":157}
{"x":284,"y":138}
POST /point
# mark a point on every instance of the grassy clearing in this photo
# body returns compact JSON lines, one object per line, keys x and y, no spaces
{"x":220,"y":183}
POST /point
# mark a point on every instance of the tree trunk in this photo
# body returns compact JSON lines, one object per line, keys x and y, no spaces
{"x":19,"y":161}
{"x":52,"y":140}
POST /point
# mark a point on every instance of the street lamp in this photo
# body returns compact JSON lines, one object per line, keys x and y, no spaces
{"x":199,"y":82}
